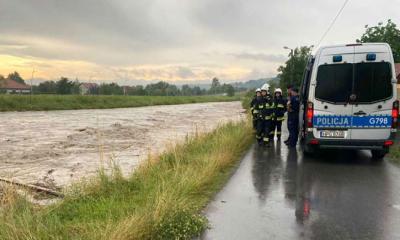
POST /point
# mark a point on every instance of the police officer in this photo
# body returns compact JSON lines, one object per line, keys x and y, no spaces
{"x":278,"y":114}
{"x":258,"y":110}
{"x":252,"y":104}
{"x":267,"y":113}
{"x":293,"y":118}
{"x":289,"y":94}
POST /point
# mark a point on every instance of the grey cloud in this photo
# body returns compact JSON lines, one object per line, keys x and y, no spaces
{"x":261,"y":57}
{"x":106,"y":31}
{"x":121,"y":33}
{"x":185,"y":72}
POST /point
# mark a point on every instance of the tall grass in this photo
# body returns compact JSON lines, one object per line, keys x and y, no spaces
{"x":67,"y":102}
{"x":394,"y":154}
{"x":162,"y":199}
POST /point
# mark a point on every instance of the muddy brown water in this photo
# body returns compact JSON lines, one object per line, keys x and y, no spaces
{"x":56,"y":148}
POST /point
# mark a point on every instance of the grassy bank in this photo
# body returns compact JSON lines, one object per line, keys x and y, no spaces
{"x":394,"y":154}
{"x":162,"y":199}
{"x":67,"y":102}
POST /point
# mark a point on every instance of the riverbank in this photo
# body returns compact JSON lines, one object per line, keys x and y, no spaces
{"x":162,"y":199}
{"x":70,"y":102}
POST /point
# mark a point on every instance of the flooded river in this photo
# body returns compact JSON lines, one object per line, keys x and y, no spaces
{"x":55,"y":148}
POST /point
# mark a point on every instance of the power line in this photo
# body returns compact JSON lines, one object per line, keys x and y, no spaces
{"x":332,"y":23}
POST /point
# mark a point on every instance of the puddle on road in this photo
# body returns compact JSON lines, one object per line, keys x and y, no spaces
{"x":56,"y":148}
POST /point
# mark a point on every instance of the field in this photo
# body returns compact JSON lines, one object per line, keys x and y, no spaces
{"x":162,"y":199}
{"x":68,"y":102}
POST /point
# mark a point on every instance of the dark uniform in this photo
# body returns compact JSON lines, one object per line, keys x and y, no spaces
{"x":293,"y":120}
{"x":258,"y":112}
{"x":289,"y":87}
{"x":253,"y":112}
{"x":268,"y":114}
{"x":278,"y":117}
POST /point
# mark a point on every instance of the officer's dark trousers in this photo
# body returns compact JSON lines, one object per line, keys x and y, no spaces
{"x":293,"y":126}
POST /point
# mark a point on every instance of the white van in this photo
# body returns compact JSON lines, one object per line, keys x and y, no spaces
{"x":349,"y":99}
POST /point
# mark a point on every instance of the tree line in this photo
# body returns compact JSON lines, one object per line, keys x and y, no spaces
{"x":64,"y":86}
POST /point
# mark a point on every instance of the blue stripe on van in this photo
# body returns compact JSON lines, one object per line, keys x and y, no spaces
{"x":344,"y":121}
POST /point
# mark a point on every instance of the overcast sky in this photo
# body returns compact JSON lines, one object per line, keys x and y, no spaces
{"x":173,"y":40}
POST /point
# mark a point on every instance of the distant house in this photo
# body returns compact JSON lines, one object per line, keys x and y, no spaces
{"x":88,"y":88}
{"x":397,"y":66}
{"x":11,"y":86}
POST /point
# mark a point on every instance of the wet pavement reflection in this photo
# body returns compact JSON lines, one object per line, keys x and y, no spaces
{"x":277,"y":193}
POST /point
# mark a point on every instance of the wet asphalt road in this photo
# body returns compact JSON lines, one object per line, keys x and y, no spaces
{"x":279,"y":194}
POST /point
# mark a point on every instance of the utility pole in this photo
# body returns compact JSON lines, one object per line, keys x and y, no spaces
{"x":292,"y":65}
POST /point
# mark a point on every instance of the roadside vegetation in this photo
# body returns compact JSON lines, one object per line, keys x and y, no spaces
{"x":162,"y":199}
{"x":394,"y":154}
{"x":68,"y":102}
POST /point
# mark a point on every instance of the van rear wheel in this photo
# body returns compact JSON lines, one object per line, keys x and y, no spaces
{"x":378,"y":155}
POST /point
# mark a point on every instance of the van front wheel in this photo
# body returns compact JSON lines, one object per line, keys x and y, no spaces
{"x":378,"y":154}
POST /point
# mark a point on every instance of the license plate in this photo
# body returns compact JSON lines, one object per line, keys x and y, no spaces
{"x":332,"y":134}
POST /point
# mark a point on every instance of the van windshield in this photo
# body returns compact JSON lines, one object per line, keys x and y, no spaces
{"x":370,"y":82}
{"x":334,"y":82}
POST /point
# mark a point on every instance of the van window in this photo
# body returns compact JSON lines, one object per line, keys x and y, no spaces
{"x":372,"y":82}
{"x":334,"y":82}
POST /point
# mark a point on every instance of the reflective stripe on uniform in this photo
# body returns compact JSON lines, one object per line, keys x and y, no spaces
{"x":280,"y":118}
{"x":268,"y":117}
{"x":266,"y":139}
{"x":258,"y":137}
{"x":280,"y":106}
{"x":255,"y":111}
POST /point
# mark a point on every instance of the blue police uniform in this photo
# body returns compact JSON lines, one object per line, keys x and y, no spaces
{"x":293,"y":120}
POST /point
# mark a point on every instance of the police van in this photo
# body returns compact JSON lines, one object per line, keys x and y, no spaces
{"x":349,"y":99}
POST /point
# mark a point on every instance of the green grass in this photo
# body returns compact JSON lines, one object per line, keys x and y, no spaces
{"x":394,"y":154}
{"x":68,"y":102}
{"x":162,"y":199}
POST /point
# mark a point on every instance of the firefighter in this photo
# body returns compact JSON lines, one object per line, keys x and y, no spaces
{"x":293,"y":118}
{"x":252,"y":104}
{"x":267,"y":113}
{"x":258,"y":111}
{"x":278,"y":114}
